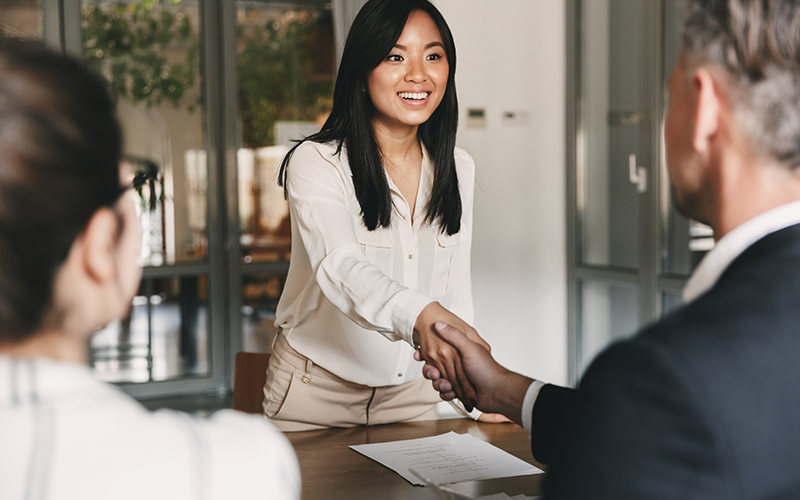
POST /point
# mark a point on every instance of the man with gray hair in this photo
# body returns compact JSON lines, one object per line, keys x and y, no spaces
{"x":704,"y":404}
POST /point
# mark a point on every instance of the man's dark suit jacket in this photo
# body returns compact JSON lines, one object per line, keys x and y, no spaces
{"x":704,"y":404}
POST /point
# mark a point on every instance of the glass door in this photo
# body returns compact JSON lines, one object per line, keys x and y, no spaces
{"x":285,"y":74}
{"x":615,"y":113}
{"x":630,"y":250}
{"x":210,"y":95}
{"x":150,"y":55}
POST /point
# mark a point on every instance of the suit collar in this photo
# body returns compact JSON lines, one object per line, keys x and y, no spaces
{"x":734,"y":243}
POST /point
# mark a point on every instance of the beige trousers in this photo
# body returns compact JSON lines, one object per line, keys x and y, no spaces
{"x":302,"y":396}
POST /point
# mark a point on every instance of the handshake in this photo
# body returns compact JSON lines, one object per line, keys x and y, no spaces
{"x":460,"y":364}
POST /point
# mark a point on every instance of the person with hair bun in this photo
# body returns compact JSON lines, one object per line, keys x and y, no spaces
{"x":69,"y":239}
{"x":381,"y":212}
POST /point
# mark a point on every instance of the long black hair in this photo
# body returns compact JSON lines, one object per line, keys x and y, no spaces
{"x":60,"y":146}
{"x":375,"y":30}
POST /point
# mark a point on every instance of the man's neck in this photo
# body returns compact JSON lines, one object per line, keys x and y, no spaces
{"x":749,"y":187}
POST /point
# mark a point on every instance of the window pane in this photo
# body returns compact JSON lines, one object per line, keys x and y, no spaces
{"x":21,"y":18}
{"x":149,"y":52}
{"x":260,"y":295}
{"x":608,"y":311}
{"x":165,"y":335}
{"x":685,"y":244}
{"x":670,"y":300}
{"x":616,"y":128}
{"x":285,"y":64}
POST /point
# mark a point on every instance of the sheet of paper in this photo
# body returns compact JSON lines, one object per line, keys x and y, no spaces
{"x":446,"y":458}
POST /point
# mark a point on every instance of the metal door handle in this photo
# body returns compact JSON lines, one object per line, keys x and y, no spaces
{"x":638,"y":175}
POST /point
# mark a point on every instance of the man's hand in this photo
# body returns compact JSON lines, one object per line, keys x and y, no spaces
{"x":498,"y":389}
{"x":438,"y":353}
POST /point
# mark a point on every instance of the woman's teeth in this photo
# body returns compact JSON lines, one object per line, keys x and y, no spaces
{"x":413,"y":96}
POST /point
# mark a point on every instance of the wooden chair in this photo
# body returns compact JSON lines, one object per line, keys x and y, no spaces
{"x":250,"y":375}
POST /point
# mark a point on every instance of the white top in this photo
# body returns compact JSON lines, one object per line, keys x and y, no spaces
{"x":708,"y":272}
{"x":67,"y":436}
{"x":352,"y":295}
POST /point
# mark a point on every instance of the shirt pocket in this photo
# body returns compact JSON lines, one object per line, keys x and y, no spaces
{"x":378,"y":247}
{"x":446,"y":257}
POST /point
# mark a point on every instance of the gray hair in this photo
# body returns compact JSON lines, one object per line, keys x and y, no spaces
{"x":757,"y":44}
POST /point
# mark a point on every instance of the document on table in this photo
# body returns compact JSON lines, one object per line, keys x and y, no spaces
{"x":446,"y":458}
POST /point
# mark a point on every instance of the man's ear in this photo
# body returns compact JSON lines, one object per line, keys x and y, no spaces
{"x":708,"y":105}
{"x":98,"y":246}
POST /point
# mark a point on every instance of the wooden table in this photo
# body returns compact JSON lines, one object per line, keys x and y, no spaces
{"x":332,"y":471}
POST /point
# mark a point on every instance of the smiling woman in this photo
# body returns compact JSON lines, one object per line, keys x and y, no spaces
{"x":381,"y":211}
{"x":407,"y":87}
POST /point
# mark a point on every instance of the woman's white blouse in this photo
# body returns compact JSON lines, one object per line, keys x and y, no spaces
{"x":352,"y":295}
{"x":66,"y":436}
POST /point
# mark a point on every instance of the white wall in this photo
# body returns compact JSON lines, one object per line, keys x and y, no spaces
{"x":511,"y":57}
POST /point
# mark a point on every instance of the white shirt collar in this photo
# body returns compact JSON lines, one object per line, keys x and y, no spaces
{"x":734,"y":243}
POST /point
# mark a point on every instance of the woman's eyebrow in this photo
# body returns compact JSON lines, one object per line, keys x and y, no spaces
{"x":432,"y":44}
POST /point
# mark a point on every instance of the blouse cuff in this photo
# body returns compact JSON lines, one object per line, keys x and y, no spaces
{"x":410,"y":304}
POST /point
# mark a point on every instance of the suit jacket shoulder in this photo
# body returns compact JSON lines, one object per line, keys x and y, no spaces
{"x":703,"y":404}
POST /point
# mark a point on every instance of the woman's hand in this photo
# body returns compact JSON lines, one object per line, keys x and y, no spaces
{"x":494,"y":418}
{"x":437,"y":352}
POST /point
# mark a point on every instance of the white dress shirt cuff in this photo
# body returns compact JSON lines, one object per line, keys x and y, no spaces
{"x":528,"y":402}
{"x":409,"y":305}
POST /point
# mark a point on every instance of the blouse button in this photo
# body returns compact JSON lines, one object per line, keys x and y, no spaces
{"x":410,"y":256}
{"x":399,"y":374}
